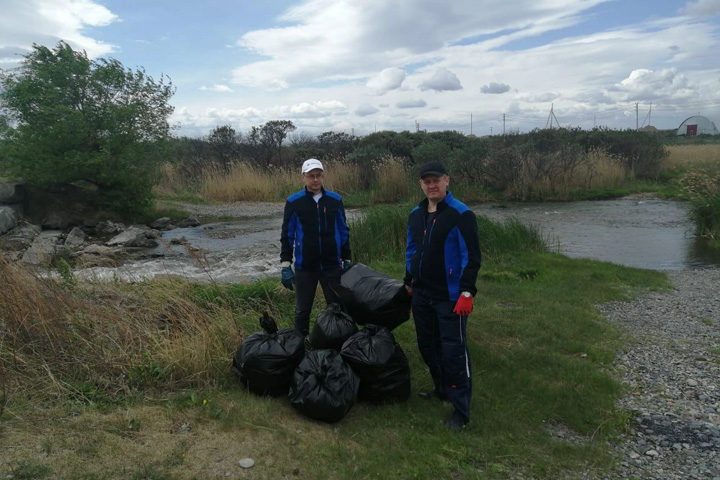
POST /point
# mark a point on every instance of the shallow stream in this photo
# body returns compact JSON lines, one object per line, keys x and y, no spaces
{"x":638,"y":232}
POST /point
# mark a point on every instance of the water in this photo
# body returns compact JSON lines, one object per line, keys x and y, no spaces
{"x":645,"y":233}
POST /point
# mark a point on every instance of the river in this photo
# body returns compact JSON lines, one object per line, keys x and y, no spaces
{"x":637,"y":232}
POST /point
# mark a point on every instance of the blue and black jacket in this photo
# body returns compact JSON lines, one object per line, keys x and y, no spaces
{"x":443,"y":257}
{"x":316,"y":233}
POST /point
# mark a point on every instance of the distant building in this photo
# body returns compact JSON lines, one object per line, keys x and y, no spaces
{"x":697,"y":125}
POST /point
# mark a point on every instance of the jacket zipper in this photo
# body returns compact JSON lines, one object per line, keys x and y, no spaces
{"x":426,"y":242}
{"x":320,"y":236}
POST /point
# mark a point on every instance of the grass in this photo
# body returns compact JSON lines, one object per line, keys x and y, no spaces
{"x":134,"y":381}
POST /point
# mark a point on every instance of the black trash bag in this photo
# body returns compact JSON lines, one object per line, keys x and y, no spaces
{"x":373,"y":297}
{"x":324,"y":387}
{"x":331,"y":329}
{"x":266,"y":360}
{"x":381,"y":364}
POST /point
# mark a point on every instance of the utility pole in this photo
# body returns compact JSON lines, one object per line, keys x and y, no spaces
{"x":636,"y":116}
{"x":470,"y":123}
{"x":552,"y":116}
{"x":417,"y":126}
{"x":594,"y":121}
{"x":503,"y":124}
{"x":650,"y":115}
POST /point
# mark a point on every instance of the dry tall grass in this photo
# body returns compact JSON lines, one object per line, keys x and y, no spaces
{"x":393,"y":181}
{"x":687,"y":156}
{"x":103,"y":338}
{"x":594,"y":170}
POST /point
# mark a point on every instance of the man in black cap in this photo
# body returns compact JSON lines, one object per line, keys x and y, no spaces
{"x":442,"y":263}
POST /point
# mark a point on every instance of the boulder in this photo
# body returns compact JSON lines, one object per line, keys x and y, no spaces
{"x":43,"y":249}
{"x":135,"y":237}
{"x":75,"y":239}
{"x":8,"y":219}
{"x":61,"y":206}
{"x":11,"y":193}
{"x":19,"y":238}
{"x":109,"y":228}
{"x":164,"y":223}
{"x":189,"y":222}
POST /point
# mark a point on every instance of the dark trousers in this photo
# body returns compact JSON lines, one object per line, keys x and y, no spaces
{"x":305,"y":288}
{"x":442,"y":341}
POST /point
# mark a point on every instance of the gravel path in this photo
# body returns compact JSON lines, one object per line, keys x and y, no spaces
{"x":673,"y":376}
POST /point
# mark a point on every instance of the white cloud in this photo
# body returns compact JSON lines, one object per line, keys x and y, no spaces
{"x":388,"y":79}
{"x":700,"y":8}
{"x":217,"y":88}
{"x":46,"y":22}
{"x":317,"y":109}
{"x":411,"y":104}
{"x":442,"y":80}
{"x":646,"y":85}
{"x":353,"y":39}
{"x":365,"y":109}
{"x":495,"y":88}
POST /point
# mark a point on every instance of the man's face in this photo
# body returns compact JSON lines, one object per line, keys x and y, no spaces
{"x":313,"y":180}
{"x":435,"y":188}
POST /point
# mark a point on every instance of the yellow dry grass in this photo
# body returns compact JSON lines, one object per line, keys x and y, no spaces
{"x":687,"y":156}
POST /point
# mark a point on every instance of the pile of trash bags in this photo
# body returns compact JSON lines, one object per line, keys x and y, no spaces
{"x":324,"y":374}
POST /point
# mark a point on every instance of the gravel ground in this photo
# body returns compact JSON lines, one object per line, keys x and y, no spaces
{"x":672,"y":371}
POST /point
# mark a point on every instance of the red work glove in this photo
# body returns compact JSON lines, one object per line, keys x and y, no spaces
{"x":463,"y":306}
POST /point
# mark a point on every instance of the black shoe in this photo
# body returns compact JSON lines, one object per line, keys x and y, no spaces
{"x":457,"y":422}
{"x":431,"y":395}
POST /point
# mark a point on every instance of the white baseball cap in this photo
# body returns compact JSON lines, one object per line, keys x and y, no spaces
{"x":311,"y":164}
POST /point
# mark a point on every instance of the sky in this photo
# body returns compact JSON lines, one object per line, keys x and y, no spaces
{"x":479,"y":67}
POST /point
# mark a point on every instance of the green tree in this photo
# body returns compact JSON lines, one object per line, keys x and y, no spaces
{"x":73,"y":118}
{"x":225,"y":144}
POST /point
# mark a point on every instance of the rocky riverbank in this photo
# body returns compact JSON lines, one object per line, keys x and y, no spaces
{"x":672,"y":371}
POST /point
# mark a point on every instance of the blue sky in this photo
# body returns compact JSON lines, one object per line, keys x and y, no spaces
{"x":365,"y":65}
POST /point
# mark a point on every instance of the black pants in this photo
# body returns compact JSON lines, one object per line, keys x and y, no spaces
{"x":442,"y":341}
{"x":305,"y":287}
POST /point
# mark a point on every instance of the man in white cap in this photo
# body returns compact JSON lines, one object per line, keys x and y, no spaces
{"x":316,"y":233}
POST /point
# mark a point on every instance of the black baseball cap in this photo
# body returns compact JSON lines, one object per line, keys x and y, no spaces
{"x":436,"y":169}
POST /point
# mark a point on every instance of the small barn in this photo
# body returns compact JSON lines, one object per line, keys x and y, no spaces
{"x":697,"y":125}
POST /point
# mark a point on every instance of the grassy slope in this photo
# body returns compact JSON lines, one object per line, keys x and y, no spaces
{"x":541,"y":356}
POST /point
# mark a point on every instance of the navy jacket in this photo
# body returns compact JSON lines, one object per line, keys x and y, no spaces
{"x":443,"y":258}
{"x":316,"y":233}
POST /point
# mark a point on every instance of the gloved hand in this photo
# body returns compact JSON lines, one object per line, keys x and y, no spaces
{"x":346,"y":264}
{"x":287,"y":278}
{"x":463,"y":306}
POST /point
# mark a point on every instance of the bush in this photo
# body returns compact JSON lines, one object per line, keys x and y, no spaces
{"x":81,"y":119}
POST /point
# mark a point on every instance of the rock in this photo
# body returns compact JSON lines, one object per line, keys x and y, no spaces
{"x":11,"y":193}
{"x":43,"y":249}
{"x":247,"y":463}
{"x":8,"y":219}
{"x":163,"y":223}
{"x":652,"y":453}
{"x":20,"y":238}
{"x":108,"y":228}
{"x":75,"y":239}
{"x":692,"y":382}
{"x":134,"y":237}
{"x":189,"y":222}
